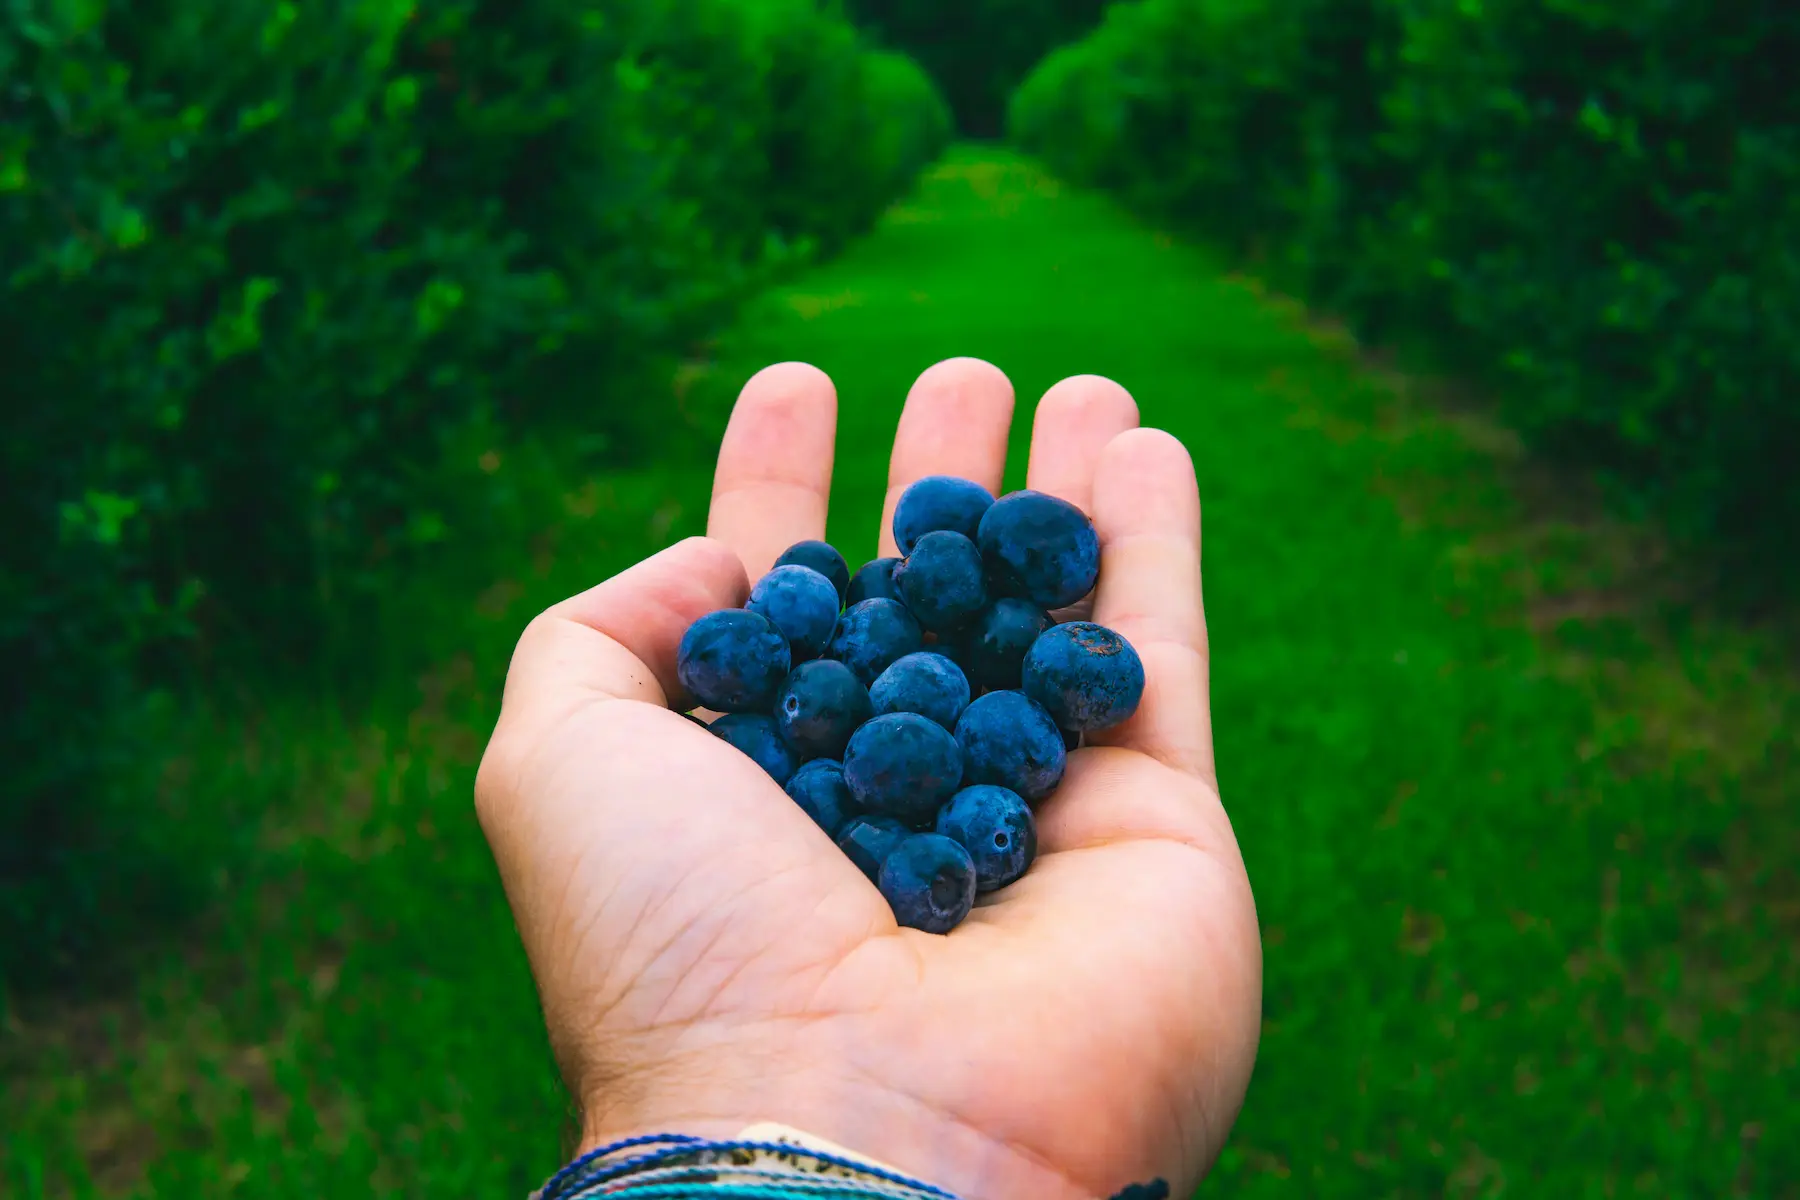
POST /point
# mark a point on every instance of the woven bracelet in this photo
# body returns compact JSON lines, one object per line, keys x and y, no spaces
{"x":678,"y":1165}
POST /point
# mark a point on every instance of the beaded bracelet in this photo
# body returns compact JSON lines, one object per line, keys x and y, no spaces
{"x":750,"y":1168}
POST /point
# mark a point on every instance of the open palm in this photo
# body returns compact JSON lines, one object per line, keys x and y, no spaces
{"x":707,"y":958}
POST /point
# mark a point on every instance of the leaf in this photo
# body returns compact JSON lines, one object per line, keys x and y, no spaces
{"x":238,"y":330}
{"x":276,"y":28}
{"x":259,"y":115}
{"x":400,"y":96}
{"x":99,"y":515}
{"x":440,"y":298}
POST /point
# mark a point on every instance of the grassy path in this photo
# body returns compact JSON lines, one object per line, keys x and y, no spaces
{"x":1525,"y":881}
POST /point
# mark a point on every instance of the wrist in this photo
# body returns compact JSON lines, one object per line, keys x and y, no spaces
{"x":762,"y":1159}
{"x":714,"y":1083}
{"x":714,"y":1087}
{"x":942,"y":1154}
{"x":767,"y":1156}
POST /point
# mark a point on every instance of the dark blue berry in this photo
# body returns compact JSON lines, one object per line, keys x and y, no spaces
{"x":926,"y":683}
{"x":1071,"y":739}
{"x":802,"y":604}
{"x":872,"y":634}
{"x":903,"y":765}
{"x":872,"y":579}
{"x":939,"y":502}
{"x":1040,"y":548}
{"x":1156,"y":1189}
{"x":819,"y":707}
{"x":1008,"y":739}
{"x":821,"y":557}
{"x":929,"y":882}
{"x":943,"y":581}
{"x":819,"y":789}
{"x":756,"y":735}
{"x":1086,"y":676}
{"x":993,"y":650}
{"x":995,"y":825}
{"x":952,"y":649}
{"x":733,"y":660}
{"x":868,"y":839}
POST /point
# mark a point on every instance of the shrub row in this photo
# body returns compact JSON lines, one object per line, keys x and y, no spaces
{"x":977,"y":50}
{"x":261,"y":261}
{"x":1592,"y":204}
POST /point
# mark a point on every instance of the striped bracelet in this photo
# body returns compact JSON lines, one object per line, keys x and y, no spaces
{"x":670,"y":1164}
{"x":754,"y":1166}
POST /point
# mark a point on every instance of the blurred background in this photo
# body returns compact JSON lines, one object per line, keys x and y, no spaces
{"x":341,"y":337}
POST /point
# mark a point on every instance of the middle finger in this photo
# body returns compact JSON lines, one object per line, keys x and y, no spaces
{"x":956,"y":421}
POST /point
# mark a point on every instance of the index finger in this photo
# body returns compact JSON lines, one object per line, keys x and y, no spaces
{"x":774,"y":474}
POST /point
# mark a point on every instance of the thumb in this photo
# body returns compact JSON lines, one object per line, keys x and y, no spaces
{"x":618,"y":640}
{"x":607,"y":647}
{"x":619,"y":830}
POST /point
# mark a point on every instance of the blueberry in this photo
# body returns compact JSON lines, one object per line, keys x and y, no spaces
{"x":756,"y":735}
{"x":733,"y":660}
{"x":925,"y":683}
{"x":994,"y":648}
{"x":939,"y":502}
{"x":952,"y":649}
{"x":819,"y":707}
{"x":997,"y":829}
{"x":943,"y":581}
{"x":872,"y":634}
{"x":873,"y":579}
{"x":802,"y":604}
{"x":868,"y":839}
{"x":821,"y":557}
{"x":1071,"y":738}
{"x":1040,"y":548}
{"x":929,"y":882}
{"x":903,"y":765}
{"x":1008,"y":739}
{"x":820,"y":791}
{"x":1086,"y":676}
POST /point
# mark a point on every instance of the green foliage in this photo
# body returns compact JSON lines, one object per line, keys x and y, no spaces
{"x":1595,"y":205}
{"x":1527,"y":903}
{"x":977,"y":50}
{"x":260,"y":262}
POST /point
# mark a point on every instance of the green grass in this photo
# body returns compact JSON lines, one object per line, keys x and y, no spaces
{"x":1512,"y":806}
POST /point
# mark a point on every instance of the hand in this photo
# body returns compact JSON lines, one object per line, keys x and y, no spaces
{"x":707,"y":958}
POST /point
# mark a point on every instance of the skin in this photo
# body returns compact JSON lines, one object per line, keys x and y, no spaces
{"x":1093,"y":1024}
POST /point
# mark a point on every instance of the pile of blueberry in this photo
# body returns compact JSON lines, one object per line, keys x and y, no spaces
{"x":919,"y":710}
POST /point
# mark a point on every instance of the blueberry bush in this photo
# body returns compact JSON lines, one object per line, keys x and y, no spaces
{"x":263,"y":263}
{"x":1593,"y":207}
{"x":977,"y":50}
